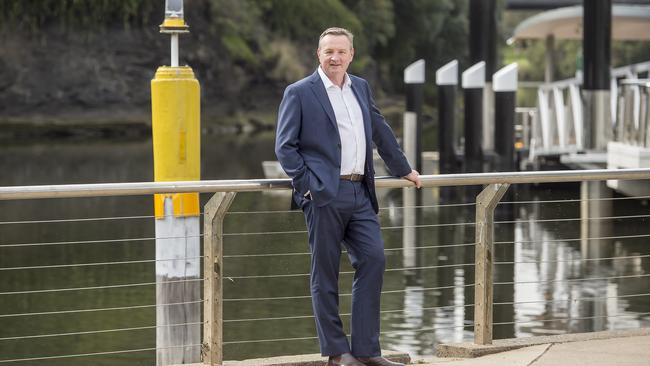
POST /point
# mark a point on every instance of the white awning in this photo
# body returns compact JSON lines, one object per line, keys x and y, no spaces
{"x":629,"y":22}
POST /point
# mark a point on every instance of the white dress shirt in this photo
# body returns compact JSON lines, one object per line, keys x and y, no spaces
{"x":349,"y":119}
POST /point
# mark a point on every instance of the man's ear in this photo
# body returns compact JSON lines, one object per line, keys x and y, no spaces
{"x":352,"y":53}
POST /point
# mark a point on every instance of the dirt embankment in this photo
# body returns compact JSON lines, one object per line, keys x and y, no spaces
{"x":57,"y":82}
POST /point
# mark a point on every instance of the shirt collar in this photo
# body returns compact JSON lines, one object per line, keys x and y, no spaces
{"x":328,"y":83}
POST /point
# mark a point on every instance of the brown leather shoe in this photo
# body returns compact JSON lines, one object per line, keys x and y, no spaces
{"x":378,"y":361}
{"x":345,"y":359}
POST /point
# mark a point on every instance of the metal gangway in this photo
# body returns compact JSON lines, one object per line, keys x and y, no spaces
{"x":557,"y":123}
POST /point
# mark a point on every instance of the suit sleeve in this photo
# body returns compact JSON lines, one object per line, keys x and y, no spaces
{"x":384,"y":139}
{"x":287,"y":145}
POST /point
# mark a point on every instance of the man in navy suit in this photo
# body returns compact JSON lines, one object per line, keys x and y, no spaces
{"x":327,"y":123}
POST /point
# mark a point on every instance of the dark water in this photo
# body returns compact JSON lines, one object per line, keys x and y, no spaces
{"x":419,"y":305}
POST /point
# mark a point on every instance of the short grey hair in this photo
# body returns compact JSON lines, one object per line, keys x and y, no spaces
{"x":336,"y":31}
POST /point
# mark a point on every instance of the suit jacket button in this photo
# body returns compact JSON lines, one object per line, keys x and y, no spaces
{"x":339,"y":145}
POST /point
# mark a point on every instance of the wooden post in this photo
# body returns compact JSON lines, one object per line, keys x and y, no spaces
{"x":485,"y":204}
{"x":215,"y":210}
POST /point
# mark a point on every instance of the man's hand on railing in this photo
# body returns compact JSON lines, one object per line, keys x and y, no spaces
{"x":414,"y":177}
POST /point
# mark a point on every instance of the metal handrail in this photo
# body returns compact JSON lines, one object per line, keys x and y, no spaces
{"x":255,"y":185}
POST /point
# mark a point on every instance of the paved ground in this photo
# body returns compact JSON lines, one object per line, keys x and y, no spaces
{"x":629,"y":347}
{"x":632,"y":351}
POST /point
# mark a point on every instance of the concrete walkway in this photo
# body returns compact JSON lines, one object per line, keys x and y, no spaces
{"x":622,"y":351}
{"x":606,"y":348}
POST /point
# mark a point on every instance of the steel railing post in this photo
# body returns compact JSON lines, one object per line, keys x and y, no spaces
{"x":215,"y":210}
{"x":486,"y":201}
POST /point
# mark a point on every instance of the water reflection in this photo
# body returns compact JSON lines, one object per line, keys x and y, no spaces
{"x":421,"y":307}
{"x":550,"y":270}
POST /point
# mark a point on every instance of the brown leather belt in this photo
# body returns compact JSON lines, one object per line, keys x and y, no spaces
{"x":352,"y":177}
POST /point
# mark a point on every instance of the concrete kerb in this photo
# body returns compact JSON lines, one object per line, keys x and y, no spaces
{"x":471,"y":350}
{"x":314,"y":359}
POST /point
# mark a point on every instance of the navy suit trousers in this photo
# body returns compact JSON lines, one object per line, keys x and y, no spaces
{"x":350,"y":220}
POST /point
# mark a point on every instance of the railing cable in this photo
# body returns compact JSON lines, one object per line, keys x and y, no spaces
{"x":383,"y":228}
{"x":380,"y":209}
{"x":91,"y":264}
{"x":572,"y":239}
{"x":96,"y":287}
{"x":96,"y":241}
{"x":572,"y":219}
{"x":438,"y":225}
{"x":577,"y":200}
{"x":344,"y":251}
{"x":427,"y":329}
{"x":117,"y":308}
{"x":97,"y":331}
{"x":342,"y":314}
{"x":96,"y":353}
{"x":344,"y":294}
{"x":454,"y":205}
{"x":384,"y":332}
{"x":86,"y":219}
{"x":573,"y":318}
{"x":569,"y":279}
{"x":575,"y":260}
{"x":349,"y":272}
{"x":570,"y":300}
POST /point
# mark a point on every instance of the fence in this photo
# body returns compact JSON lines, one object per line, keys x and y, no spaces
{"x":489,"y":280}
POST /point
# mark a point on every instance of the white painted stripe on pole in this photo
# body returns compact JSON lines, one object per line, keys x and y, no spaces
{"x":487,"y":139}
{"x":414,"y":73}
{"x":408,"y":235}
{"x":474,"y":77}
{"x":448,"y":74}
{"x":409,"y":231}
{"x":410,"y":136}
{"x":177,"y":238}
{"x":505,"y":79}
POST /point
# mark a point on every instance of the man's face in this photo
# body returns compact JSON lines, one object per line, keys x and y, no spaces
{"x":334,"y":55}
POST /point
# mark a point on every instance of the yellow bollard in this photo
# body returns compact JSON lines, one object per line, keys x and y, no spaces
{"x":175,"y":105}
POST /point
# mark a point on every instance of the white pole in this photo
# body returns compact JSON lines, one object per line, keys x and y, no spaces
{"x":174,"y":44}
{"x":409,"y":238}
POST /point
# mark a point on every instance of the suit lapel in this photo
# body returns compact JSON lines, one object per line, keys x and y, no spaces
{"x":321,"y":95}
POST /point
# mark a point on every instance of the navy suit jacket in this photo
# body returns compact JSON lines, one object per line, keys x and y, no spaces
{"x":308,"y":145}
